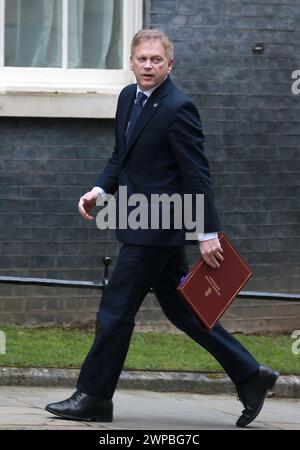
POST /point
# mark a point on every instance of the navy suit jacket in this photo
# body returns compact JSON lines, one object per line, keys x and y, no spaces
{"x":165,"y":154}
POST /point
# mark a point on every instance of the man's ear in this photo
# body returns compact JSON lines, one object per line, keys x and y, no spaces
{"x":130,"y":63}
{"x":170,"y":65}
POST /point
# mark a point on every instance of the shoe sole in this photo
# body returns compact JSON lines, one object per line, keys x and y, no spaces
{"x":85,"y":419}
{"x":269,"y":386}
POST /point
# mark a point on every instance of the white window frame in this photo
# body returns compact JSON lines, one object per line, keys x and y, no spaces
{"x":63,"y":92}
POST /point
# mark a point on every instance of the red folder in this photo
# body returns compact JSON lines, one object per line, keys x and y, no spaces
{"x":209,"y":292}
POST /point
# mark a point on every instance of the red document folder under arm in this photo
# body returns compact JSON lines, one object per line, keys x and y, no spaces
{"x":209,"y":292}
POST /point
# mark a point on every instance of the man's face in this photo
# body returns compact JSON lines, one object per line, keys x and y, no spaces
{"x":150,"y":64}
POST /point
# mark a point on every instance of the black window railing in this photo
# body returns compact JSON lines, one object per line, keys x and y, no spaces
{"x":259,"y":295}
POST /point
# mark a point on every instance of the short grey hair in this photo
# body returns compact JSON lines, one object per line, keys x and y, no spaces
{"x":147,"y":35}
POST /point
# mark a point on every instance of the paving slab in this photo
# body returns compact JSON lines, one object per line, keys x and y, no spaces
{"x":23,"y":408}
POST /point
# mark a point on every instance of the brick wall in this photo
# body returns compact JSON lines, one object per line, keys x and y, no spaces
{"x":251,"y":122}
{"x":46,"y":165}
{"x":250,"y":118}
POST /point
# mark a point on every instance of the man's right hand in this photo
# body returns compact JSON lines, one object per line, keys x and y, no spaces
{"x":86,"y":203}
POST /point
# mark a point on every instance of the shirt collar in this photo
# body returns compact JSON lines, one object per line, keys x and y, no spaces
{"x":150,"y":91}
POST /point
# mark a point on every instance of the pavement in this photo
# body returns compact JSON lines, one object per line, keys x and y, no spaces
{"x":22,"y":408}
{"x":144,"y":401}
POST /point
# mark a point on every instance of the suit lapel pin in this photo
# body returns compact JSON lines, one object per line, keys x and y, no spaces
{"x":155,"y":105}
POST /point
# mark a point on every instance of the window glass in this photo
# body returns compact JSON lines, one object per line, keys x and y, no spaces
{"x":95,"y":34}
{"x":33,"y":33}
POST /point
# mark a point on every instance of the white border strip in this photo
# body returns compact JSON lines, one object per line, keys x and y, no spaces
{"x":65,"y":33}
{"x":139,"y":15}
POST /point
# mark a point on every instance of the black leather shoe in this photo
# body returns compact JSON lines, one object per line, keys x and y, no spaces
{"x":82,"y":406}
{"x":252,"y":394}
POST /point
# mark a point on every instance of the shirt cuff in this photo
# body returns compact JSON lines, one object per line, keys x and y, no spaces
{"x":206,"y":236}
{"x":98,"y":189}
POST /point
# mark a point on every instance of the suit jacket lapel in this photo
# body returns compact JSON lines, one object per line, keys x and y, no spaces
{"x":125,"y":112}
{"x":151,"y":107}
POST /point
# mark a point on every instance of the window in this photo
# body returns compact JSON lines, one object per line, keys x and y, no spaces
{"x":65,"y":47}
{"x":34,"y":34}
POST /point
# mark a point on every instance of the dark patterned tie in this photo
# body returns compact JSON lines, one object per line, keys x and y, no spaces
{"x":135,"y":112}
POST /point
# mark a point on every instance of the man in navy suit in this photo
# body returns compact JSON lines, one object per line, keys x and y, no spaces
{"x":159,"y":149}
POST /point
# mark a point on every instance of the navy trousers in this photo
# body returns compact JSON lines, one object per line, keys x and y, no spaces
{"x":137,"y":269}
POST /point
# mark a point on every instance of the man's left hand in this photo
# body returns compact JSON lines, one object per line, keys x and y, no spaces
{"x":211,"y":251}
